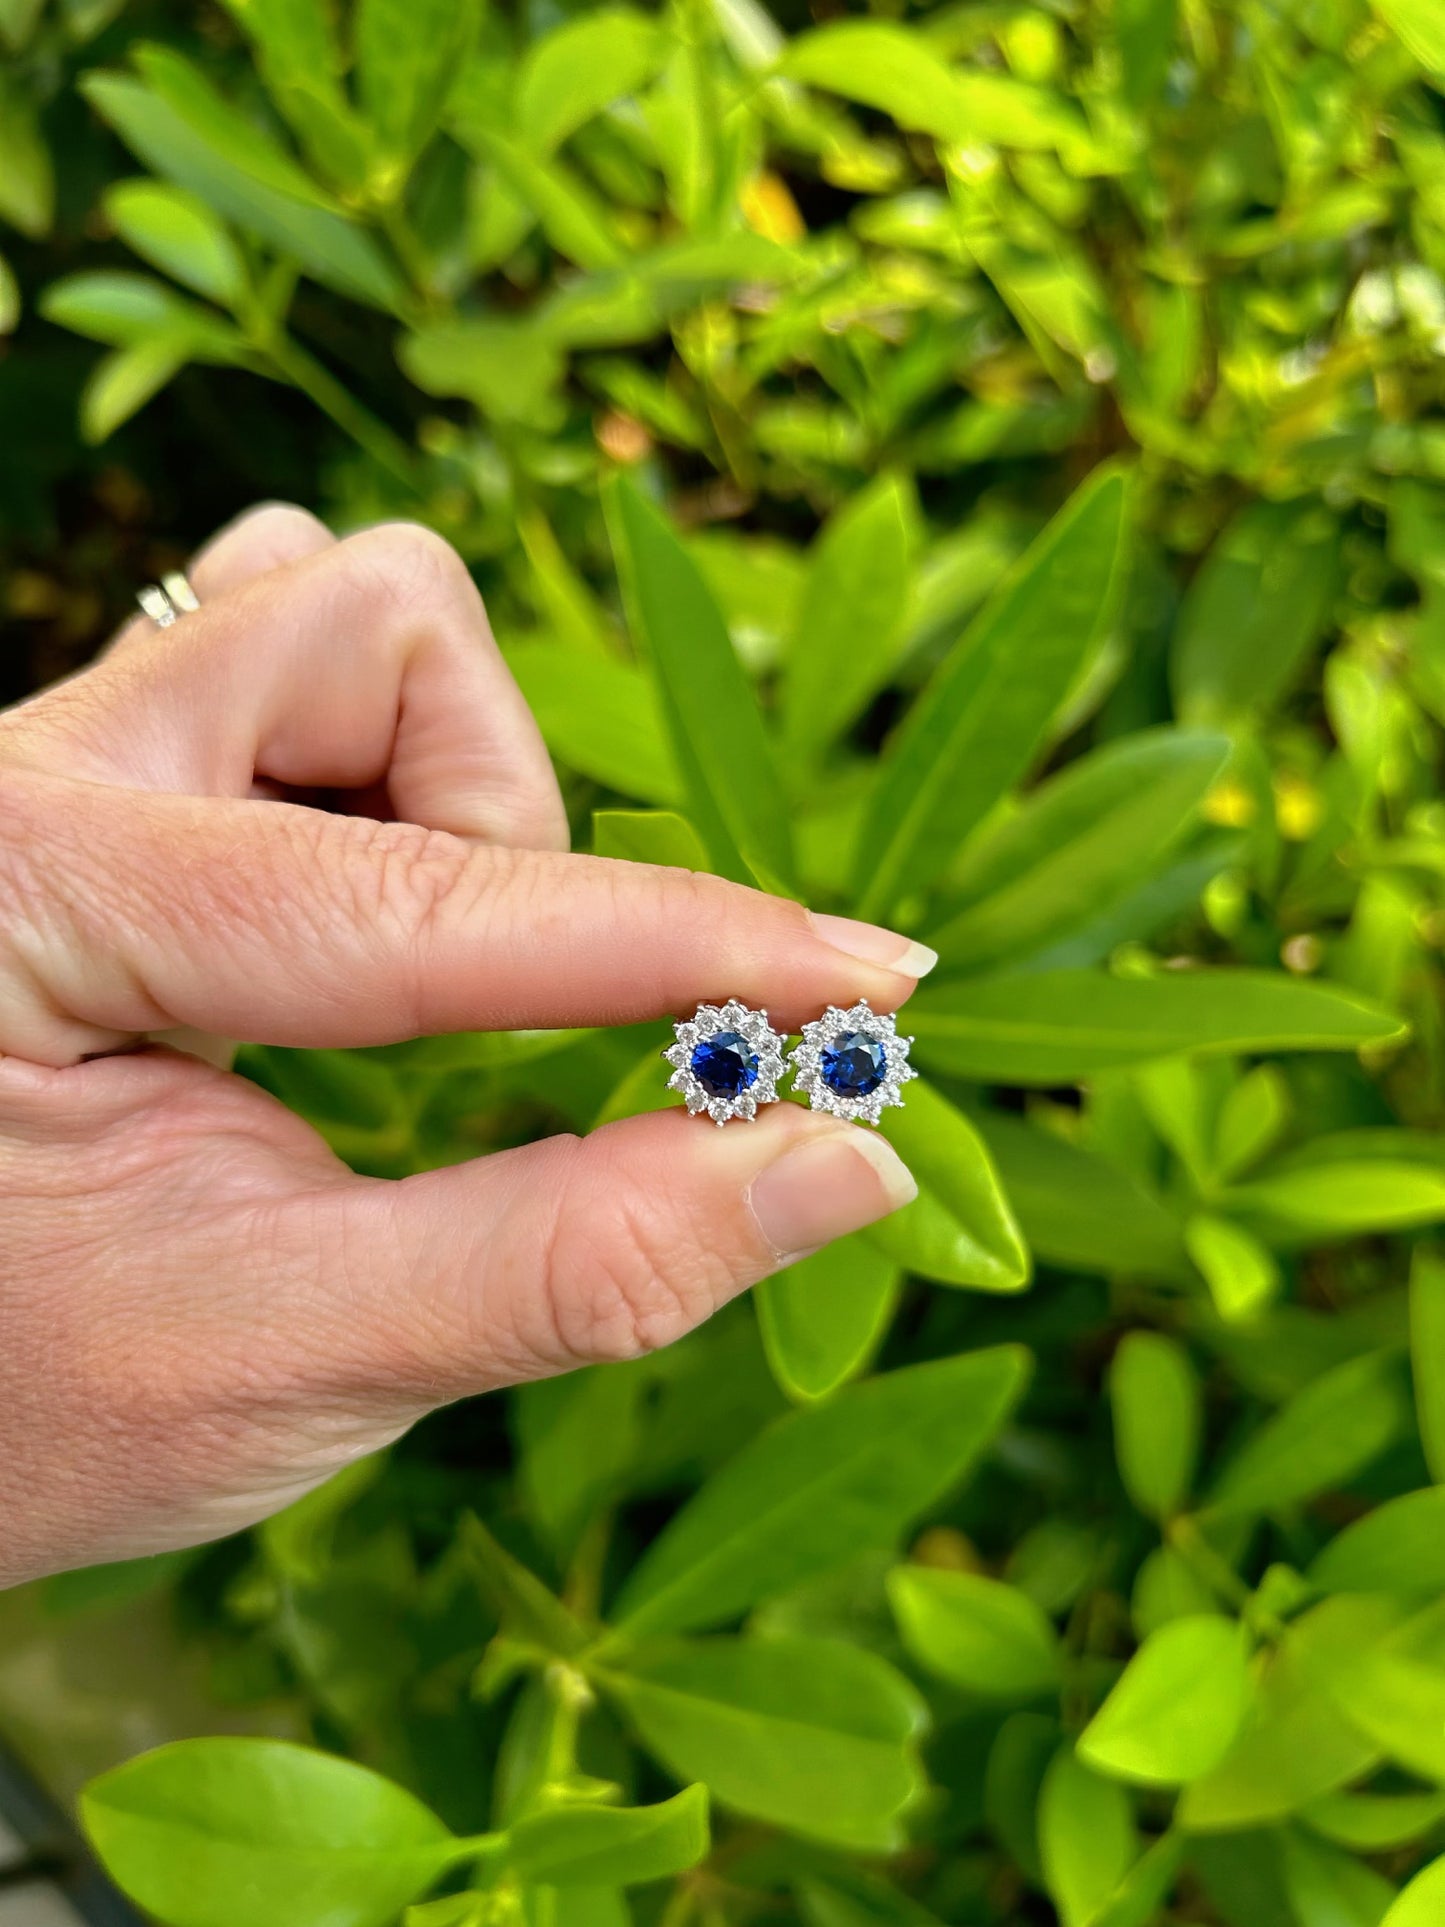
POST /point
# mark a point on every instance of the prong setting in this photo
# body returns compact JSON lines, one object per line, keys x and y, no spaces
{"x":852,"y":1063}
{"x":726,"y":1060}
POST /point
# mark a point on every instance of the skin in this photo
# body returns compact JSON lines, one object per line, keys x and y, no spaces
{"x":203,"y":1313}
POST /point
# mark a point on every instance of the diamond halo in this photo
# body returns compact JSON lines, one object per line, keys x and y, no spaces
{"x":852,"y":1063}
{"x":726,"y":1061}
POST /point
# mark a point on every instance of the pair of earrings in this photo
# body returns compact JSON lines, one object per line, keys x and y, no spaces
{"x":727,"y":1061}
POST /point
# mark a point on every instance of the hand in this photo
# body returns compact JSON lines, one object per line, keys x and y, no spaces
{"x":202,"y":1311}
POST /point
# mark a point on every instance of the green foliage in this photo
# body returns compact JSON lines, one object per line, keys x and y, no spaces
{"x":973,"y":466}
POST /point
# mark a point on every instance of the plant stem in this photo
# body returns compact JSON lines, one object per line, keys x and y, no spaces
{"x":303,"y":371}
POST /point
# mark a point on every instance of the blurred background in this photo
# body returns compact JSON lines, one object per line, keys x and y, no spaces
{"x":980,"y":464}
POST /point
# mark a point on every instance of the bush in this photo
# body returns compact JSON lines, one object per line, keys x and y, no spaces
{"x":1015,"y":430}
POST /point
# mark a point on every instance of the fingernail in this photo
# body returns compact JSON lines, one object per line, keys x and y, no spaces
{"x":828,"y":1186}
{"x":889,"y":948}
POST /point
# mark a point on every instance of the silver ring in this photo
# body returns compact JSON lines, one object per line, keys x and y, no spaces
{"x":168,"y":600}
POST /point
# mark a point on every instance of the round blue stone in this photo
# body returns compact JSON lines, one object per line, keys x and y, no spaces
{"x":725,"y":1065}
{"x":854,"y":1065}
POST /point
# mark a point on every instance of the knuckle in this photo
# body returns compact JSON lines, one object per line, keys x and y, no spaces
{"x":273,"y":533}
{"x":413,"y":567}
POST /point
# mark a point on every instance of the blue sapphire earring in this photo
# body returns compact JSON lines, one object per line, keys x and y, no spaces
{"x":852,"y":1063}
{"x":726,"y":1061}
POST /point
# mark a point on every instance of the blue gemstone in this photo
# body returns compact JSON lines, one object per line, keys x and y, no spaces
{"x":725,"y":1065}
{"x":855,"y":1065}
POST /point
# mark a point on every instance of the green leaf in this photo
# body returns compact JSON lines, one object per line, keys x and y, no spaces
{"x":1137,"y":1899}
{"x":507,"y":368}
{"x":18,"y":20}
{"x":298,"y":1541}
{"x":596,"y":1846}
{"x":811,"y":1735}
{"x":978,"y":1634}
{"x":1427,"y":1356}
{"x":125,"y":381}
{"x":647,"y":836}
{"x":959,"y":1230}
{"x":580,"y":67}
{"x":1384,"y":1667}
{"x":1293,"y":1747}
{"x":294,"y":38}
{"x":27,"y":175}
{"x":823,"y":1318}
{"x":573,"y":218}
{"x":852,"y":607}
{"x":1240,"y":1272}
{"x":1341,"y":1199}
{"x":1422,"y":1903}
{"x":1260,"y":602}
{"x":120,"y":308}
{"x":1078,"y":1210}
{"x":601,"y":716}
{"x":728,"y":773}
{"x":226,"y":1832}
{"x":1322,"y":1438}
{"x":1327,"y":1888}
{"x":1420,"y":26}
{"x":1178,"y":1707}
{"x":1375,"y":1822}
{"x":1018,"y":1763}
{"x":1252,"y":1118}
{"x":180,"y":127}
{"x":178,"y":234}
{"x":408,"y":56}
{"x":979,"y":723}
{"x":528,"y":1611}
{"x":1056,"y":1026}
{"x":1155,"y":1395}
{"x":578,"y":1435}
{"x":301,"y":62}
{"x":1086,"y":1838}
{"x":887,"y":67}
{"x":819,"y":1486}
{"x":1078,"y":843}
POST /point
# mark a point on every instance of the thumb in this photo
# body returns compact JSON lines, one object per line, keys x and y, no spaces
{"x":280,"y":924}
{"x":572,"y":1252}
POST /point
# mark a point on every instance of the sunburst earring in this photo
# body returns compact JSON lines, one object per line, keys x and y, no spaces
{"x":852,"y":1063}
{"x":726,"y":1060}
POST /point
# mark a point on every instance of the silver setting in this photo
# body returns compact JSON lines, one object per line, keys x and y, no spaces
{"x":168,"y":600}
{"x":806,"y":1062}
{"x":709,"y":1020}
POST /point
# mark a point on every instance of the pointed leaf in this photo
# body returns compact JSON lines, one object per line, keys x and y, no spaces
{"x":1260,"y":601}
{"x":717,"y":733}
{"x":819,"y":1486}
{"x":811,"y":1735}
{"x":979,"y":1634}
{"x":226,"y":1832}
{"x":1056,"y":1026}
{"x":1078,"y":843}
{"x":178,"y":234}
{"x":1178,"y":1706}
{"x":1086,"y":1838}
{"x":979,"y":723}
{"x":600,"y":716}
{"x":960,"y":1229}
{"x":1322,"y":1438}
{"x":823,"y":1318}
{"x":596,"y":1846}
{"x":852,"y":608}
{"x":580,"y":67}
{"x":1155,"y":1394}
